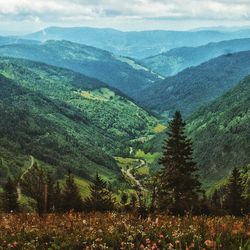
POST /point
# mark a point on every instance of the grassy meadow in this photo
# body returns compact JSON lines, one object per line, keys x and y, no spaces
{"x":122,"y":231}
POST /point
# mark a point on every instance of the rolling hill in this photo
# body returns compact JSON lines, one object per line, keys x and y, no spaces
{"x":122,"y":73}
{"x":135,"y":44}
{"x":6,"y":40}
{"x":196,"y":86}
{"x":220,"y":132}
{"x":176,"y":60}
{"x":65,"y":119}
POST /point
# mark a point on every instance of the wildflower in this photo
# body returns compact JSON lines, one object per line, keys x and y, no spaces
{"x":142,"y":246}
{"x":154,"y":246}
{"x":210,"y":244}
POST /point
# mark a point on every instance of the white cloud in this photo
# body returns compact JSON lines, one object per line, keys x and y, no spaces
{"x":73,"y":12}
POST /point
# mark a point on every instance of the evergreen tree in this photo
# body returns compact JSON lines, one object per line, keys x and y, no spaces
{"x":178,"y":185}
{"x":10,"y":196}
{"x":215,"y":200}
{"x":71,"y":197}
{"x":234,"y":201}
{"x":34,"y":184}
{"x":100,"y":197}
{"x":124,"y":198}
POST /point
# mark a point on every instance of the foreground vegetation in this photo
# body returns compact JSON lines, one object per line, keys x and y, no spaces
{"x":122,"y":231}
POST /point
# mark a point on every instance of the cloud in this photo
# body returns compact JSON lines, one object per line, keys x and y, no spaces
{"x":139,"y":8}
{"x":75,"y":12}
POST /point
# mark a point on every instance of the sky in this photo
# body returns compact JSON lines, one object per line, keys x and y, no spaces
{"x":25,"y":16}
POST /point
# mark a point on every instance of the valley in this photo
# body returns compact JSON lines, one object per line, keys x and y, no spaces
{"x":73,"y":107}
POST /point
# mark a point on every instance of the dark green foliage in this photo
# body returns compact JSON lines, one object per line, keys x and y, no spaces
{"x":124,"y":199}
{"x":10,"y":196}
{"x":34,"y":183}
{"x":100,"y":197}
{"x":71,"y":198}
{"x":44,"y":114}
{"x":178,"y":59}
{"x":215,"y":200}
{"x":57,"y":197}
{"x":51,"y":193}
{"x":197,"y":86}
{"x":233,"y":200}
{"x":178,"y":184}
{"x":220,"y":133}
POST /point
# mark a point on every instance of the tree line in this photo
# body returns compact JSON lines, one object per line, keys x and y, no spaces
{"x":175,"y":189}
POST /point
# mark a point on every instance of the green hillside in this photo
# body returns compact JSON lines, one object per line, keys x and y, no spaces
{"x":120,"y":72}
{"x":197,"y":86}
{"x":65,"y":119}
{"x":220,"y":132}
{"x":178,"y":59}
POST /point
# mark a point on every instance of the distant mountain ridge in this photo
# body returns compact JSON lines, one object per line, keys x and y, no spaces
{"x":176,"y":60}
{"x":196,"y":86}
{"x":7,"y":40}
{"x":122,"y":73}
{"x":135,"y":44}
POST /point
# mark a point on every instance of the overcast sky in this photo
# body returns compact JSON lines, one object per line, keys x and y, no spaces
{"x":23,"y":16}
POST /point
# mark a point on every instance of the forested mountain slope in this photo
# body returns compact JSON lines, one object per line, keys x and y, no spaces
{"x":196,"y":86}
{"x":65,"y":119}
{"x":119,"y":72}
{"x":178,"y":59}
{"x":221,"y":132}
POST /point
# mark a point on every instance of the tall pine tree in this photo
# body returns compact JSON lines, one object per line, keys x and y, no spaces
{"x":100,"y":197}
{"x":178,"y":185}
{"x":234,"y":201}
{"x":34,"y":184}
{"x":71,"y":198}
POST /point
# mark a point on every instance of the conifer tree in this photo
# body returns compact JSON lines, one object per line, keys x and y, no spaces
{"x":124,"y":198}
{"x":34,"y":184}
{"x":234,"y":200}
{"x":10,"y":196}
{"x":71,"y":197}
{"x":178,"y":185}
{"x":100,"y":197}
{"x":215,"y":200}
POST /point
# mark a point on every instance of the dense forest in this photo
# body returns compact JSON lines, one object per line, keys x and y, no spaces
{"x":121,"y":140}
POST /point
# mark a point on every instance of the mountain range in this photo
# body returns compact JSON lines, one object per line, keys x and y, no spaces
{"x":196,"y":86}
{"x":120,"y":72}
{"x":178,"y":59}
{"x":139,"y":44}
{"x":75,"y":98}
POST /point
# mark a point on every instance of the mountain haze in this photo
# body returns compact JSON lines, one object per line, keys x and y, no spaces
{"x":176,"y":60}
{"x":196,"y":86}
{"x":138,"y":45}
{"x":122,"y":73}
